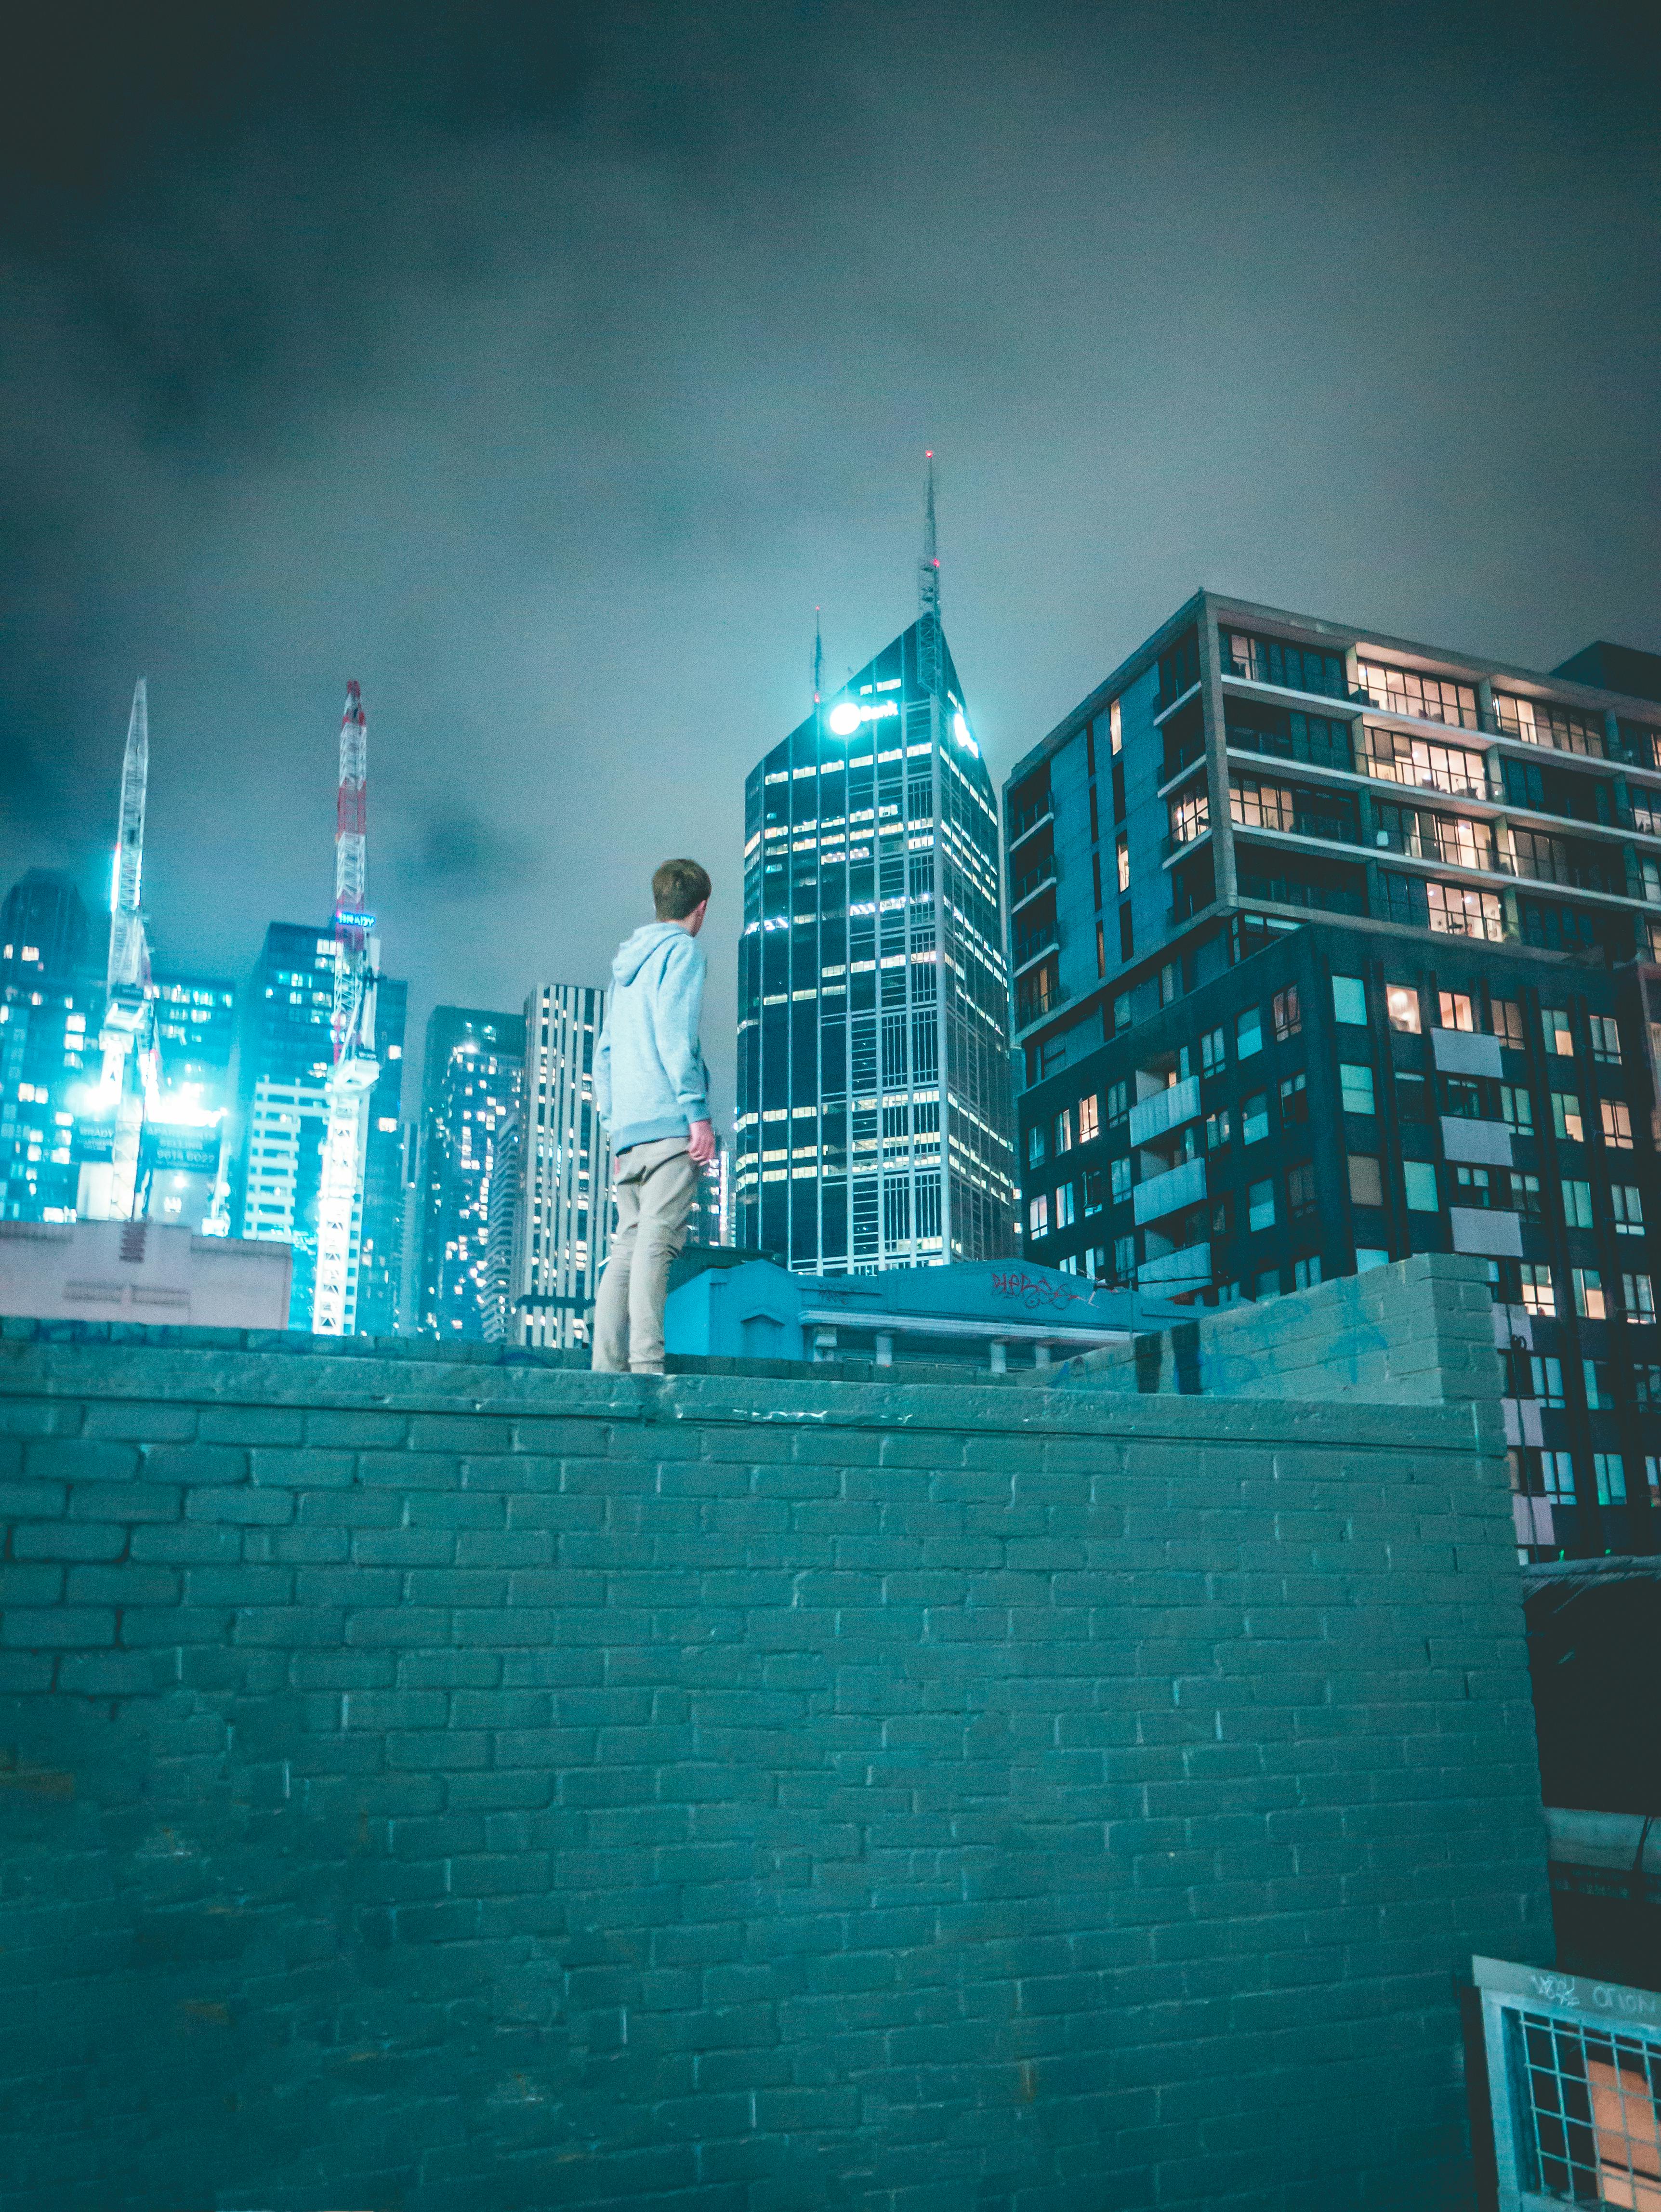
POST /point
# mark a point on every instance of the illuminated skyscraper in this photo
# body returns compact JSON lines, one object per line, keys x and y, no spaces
{"x":563,"y":1221}
{"x":874,"y":1121}
{"x":469,"y":1090}
{"x":284,"y":1055}
{"x":48,"y":985}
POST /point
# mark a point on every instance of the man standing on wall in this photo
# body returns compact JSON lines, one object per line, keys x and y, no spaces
{"x":652,"y":1090}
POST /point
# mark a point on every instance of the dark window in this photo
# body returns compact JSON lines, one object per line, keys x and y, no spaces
{"x":1179,"y":669}
{"x":1300,"y":1190}
{"x":1127,"y":937}
{"x":1294,"y":1101}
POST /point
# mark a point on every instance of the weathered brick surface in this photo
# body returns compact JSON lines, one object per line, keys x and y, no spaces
{"x":741,"y":1794}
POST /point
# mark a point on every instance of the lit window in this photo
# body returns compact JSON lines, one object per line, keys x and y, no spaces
{"x":1287,"y":1019}
{"x":1216,"y":1130}
{"x":1122,"y":856}
{"x":1089,"y":1119}
{"x":1616,"y":1117}
{"x":1037,"y":1216}
{"x":1637,"y":1296}
{"x":1403,"y":1007}
{"x":1577,"y":1204}
{"x":1560,"y":1037}
{"x":1355,"y":1083}
{"x":1248,"y":1033}
{"x":1606,"y":1040}
{"x":1254,"y":1118}
{"x":1350,"y":1000}
{"x":1627,"y":1204}
{"x":1455,"y":1011}
{"x":1539,"y":1292}
{"x":1610,"y":1474}
{"x":1260,"y":1205}
{"x":1064,"y":1131}
{"x":1418,"y":1177}
{"x":1064,"y":1206}
{"x":1565,"y":1117}
{"x":1588,"y":1293}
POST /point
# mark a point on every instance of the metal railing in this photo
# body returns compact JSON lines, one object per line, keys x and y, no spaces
{"x":1024,"y":950}
{"x":1575,"y":2074}
{"x":1023,"y":887}
{"x":1326,"y":826}
{"x":1033,"y":1006}
{"x":1182,"y":837}
{"x":1025,"y":819}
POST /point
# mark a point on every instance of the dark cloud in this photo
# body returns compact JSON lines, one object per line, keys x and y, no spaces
{"x":543,"y":366}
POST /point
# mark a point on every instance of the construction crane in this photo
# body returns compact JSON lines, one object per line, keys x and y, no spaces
{"x":356,"y":1068}
{"x":128,"y":1084}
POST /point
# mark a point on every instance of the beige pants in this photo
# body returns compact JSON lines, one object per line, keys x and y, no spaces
{"x":654,"y":1187}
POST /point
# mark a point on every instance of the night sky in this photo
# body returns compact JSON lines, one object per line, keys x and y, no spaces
{"x":543,"y":367}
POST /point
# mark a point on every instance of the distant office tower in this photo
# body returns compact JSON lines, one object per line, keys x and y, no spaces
{"x":412,"y":1216}
{"x":468,"y":1090}
{"x":285,"y":1053}
{"x":46,"y":932}
{"x":563,"y":1219}
{"x":711,"y":1221}
{"x":875,"y":1116}
{"x":50,"y":984}
{"x":507,"y":1188}
{"x":183,"y":1170}
{"x":381,"y":1250}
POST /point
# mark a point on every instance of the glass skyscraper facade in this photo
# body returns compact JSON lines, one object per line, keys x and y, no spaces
{"x":874,"y":1120}
{"x":562,"y":1218}
{"x":284,"y":1053}
{"x":472,"y":1074}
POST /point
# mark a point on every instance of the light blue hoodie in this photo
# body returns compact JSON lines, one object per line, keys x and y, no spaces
{"x":649,"y":1077}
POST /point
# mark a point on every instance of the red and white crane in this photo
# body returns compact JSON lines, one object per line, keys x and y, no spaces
{"x":352,"y":1077}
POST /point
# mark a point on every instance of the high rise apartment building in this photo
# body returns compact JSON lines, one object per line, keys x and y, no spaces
{"x":284,"y":1053}
{"x":49,"y":990}
{"x":471,"y":1074}
{"x":1330,"y":947}
{"x":874,"y":1122}
{"x":562,"y":1224}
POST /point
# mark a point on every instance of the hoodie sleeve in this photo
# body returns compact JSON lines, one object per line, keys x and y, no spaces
{"x":602,"y":1071}
{"x":677,"y":1007}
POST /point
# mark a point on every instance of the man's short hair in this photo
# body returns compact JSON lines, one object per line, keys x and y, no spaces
{"x":679,"y":888}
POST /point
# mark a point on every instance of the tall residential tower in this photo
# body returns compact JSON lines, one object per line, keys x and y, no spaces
{"x":1332,"y":947}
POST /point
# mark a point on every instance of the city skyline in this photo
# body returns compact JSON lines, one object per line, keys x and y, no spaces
{"x":562,"y":475}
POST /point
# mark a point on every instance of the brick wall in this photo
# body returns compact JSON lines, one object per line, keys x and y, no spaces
{"x":464,"y":1787}
{"x":1420,"y":1333}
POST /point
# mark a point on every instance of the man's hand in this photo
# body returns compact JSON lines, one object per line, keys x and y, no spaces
{"x":700,"y":1143}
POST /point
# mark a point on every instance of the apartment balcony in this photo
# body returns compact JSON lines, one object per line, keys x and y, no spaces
{"x":1024,"y":951}
{"x":1418,"y":775}
{"x":1187,"y":1270}
{"x":1463,"y":1052}
{"x":1487,"y":1231}
{"x":1032,"y":1007}
{"x":1023,"y":820}
{"x":1173,"y":1192}
{"x":1329,"y":829}
{"x":1242,"y":672}
{"x":1161,"y":1111}
{"x":1166,"y":701}
{"x":1028,"y":885}
{"x":1180,"y":839}
{"x":1476,"y":1144}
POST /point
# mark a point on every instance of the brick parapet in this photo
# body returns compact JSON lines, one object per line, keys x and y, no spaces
{"x":451,"y":1784}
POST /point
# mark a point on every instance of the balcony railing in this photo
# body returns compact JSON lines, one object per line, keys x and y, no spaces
{"x":1328,"y":827}
{"x":1034,"y":1005}
{"x":1025,"y":886}
{"x":1171,"y":1193}
{"x":1025,"y":950}
{"x":1183,"y":756}
{"x":1186,"y":834}
{"x":1023,"y":820}
{"x":1418,"y":775}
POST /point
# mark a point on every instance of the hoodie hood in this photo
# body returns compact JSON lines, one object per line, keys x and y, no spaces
{"x":635,"y":951}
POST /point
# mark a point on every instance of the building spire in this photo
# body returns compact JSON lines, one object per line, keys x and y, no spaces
{"x":819,"y":659}
{"x":928,"y":568}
